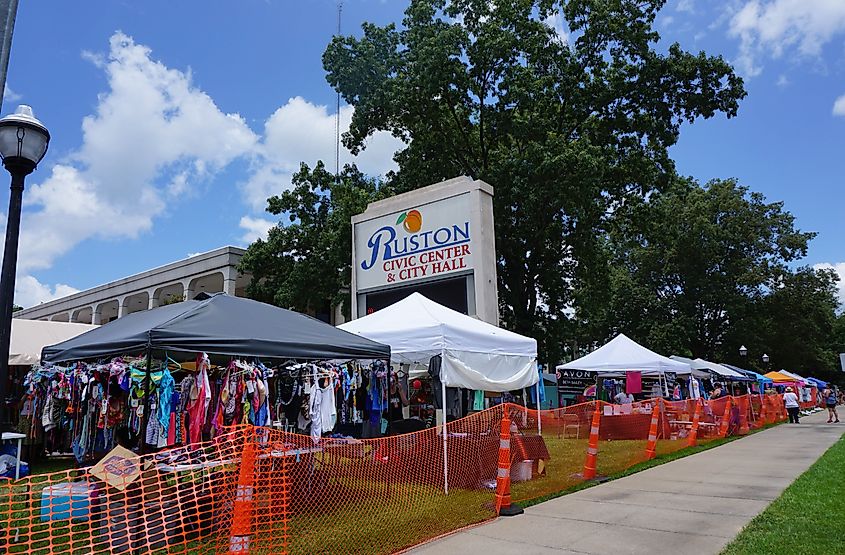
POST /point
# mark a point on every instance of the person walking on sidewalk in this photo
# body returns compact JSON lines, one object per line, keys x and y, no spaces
{"x":790,"y":399}
{"x":830,"y":401}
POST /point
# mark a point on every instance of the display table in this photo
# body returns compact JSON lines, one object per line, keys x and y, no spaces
{"x":629,"y":426}
{"x":11,"y":436}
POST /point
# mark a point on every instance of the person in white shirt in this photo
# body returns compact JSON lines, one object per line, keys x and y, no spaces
{"x":623,"y":398}
{"x":790,"y":399}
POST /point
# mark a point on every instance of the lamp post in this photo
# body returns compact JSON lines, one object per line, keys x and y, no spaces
{"x":23,"y":143}
{"x":743,"y":352}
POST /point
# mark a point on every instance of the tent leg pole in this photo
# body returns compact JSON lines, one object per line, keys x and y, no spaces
{"x":445,"y":452}
{"x":145,"y":418}
{"x":539,"y":419}
{"x":443,"y":381}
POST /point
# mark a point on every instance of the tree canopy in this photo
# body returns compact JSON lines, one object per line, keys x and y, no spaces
{"x":569,"y":109}
{"x":699,"y":271}
{"x":565,"y":127}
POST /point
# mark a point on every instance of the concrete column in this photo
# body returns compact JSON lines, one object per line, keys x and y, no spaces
{"x":96,"y":315}
{"x":152,"y":300}
{"x":230,"y":275}
{"x":189,"y":293}
{"x":121,"y":307}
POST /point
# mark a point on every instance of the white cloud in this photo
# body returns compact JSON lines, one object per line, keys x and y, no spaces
{"x":10,"y":96}
{"x":783,"y":80}
{"x":666,"y":21}
{"x":301,"y":131}
{"x":839,"y":268}
{"x":29,"y":291}
{"x":556,"y":22}
{"x":153,"y":136}
{"x":255,"y":228}
{"x":687,"y":6}
{"x":839,"y":106}
{"x":776,"y":27}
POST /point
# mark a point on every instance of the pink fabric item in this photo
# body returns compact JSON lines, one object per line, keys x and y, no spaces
{"x":198,"y":407}
{"x":633,"y":382}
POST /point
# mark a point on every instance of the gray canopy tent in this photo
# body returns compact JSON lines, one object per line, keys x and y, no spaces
{"x":216,"y":324}
{"x":222,"y":325}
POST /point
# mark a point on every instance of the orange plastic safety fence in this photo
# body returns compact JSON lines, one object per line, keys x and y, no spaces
{"x":260,"y":490}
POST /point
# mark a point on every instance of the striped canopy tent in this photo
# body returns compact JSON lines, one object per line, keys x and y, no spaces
{"x":802,"y":380}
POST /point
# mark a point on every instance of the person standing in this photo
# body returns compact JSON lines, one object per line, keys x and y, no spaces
{"x":790,"y":399}
{"x":830,"y":402}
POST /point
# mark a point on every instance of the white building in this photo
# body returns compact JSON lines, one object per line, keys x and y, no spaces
{"x":211,"y":272}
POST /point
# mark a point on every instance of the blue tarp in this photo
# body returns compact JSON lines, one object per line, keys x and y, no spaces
{"x":818,"y":383}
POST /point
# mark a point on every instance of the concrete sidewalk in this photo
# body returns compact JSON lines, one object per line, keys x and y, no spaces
{"x":696,"y":504}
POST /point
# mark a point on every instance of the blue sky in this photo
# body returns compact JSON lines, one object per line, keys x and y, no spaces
{"x":173,"y":121}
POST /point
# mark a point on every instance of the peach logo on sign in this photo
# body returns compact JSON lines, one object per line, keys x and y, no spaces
{"x":411,"y":221}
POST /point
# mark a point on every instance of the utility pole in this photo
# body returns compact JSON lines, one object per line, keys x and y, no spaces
{"x":8,"y":12}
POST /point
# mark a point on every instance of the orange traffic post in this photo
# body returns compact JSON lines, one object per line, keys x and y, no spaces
{"x":504,"y":507}
{"x":692,"y":441}
{"x":593,"y":446}
{"x":241,"y":529}
{"x":726,"y":418}
{"x":651,"y":448}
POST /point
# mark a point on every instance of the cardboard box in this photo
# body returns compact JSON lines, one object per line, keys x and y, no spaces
{"x":119,"y":468}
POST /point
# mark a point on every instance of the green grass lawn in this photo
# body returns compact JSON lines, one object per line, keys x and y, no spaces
{"x":808,"y":518}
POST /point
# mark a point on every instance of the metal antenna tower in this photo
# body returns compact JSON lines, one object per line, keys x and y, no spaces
{"x":337,"y":109}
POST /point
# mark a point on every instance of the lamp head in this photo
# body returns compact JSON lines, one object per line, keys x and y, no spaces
{"x":23,"y":140}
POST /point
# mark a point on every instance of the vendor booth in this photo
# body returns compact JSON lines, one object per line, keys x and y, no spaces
{"x":29,"y":337}
{"x":623,"y":357}
{"x":178,"y":374}
{"x":462,"y":352}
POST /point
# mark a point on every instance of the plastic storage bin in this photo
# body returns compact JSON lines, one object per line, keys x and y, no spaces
{"x":68,"y":500}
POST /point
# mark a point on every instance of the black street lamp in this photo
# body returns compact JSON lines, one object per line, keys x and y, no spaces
{"x":23,"y":143}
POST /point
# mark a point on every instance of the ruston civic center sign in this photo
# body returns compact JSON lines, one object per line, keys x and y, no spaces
{"x":436,"y":240}
{"x":428,"y":241}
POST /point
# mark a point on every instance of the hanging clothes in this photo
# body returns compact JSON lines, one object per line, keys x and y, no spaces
{"x":633,"y":382}
{"x":199,"y":400}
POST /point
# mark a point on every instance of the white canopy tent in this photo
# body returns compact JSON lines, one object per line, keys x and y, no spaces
{"x":622,"y":354}
{"x":702,"y":368}
{"x":29,"y":337}
{"x":475,"y":354}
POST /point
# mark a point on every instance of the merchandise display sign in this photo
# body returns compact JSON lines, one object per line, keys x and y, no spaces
{"x":572,"y":383}
{"x":426,"y":242}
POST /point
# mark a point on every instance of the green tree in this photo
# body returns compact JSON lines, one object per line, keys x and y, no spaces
{"x":565,"y":128}
{"x":798,"y":318}
{"x":305,"y":263}
{"x":699,"y":271}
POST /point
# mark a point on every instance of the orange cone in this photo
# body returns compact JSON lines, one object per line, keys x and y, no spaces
{"x":651,"y":448}
{"x":504,"y":507}
{"x":593,"y":446}
{"x":726,"y":418}
{"x":241,"y":529}
{"x":692,"y":441}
